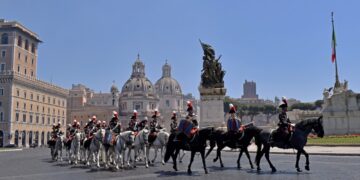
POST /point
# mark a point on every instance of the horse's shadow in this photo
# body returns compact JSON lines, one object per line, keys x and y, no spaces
{"x":265,"y":173}
{"x":176,"y":173}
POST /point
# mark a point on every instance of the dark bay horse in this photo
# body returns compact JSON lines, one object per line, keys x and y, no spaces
{"x":297,"y":141}
{"x":198,"y":144}
{"x":221,"y":139}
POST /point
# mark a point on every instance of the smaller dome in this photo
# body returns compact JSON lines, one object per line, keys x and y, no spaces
{"x":166,"y":84}
{"x":114,"y":88}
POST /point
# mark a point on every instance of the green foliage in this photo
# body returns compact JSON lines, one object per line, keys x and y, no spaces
{"x":319,"y":103}
{"x":335,"y":140}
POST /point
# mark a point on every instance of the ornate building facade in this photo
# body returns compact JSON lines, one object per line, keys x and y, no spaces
{"x":138,"y":93}
{"x":28,"y":106}
{"x":83,"y":103}
{"x":170,"y":95}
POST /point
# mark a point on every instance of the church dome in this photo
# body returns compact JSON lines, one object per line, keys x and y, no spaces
{"x":114,"y":88}
{"x":166,"y":84}
{"x":138,"y":84}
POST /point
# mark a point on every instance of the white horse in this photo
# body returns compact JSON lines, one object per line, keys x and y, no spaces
{"x":95,"y":146}
{"x":159,"y":143}
{"x":74,"y":155}
{"x":58,"y":147}
{"x":141,"y":143}
{"x":124,"y":141}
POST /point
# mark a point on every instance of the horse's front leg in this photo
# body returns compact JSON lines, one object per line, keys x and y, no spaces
{"x":267,"y":156}
{"x":136,"y":150}
{"x":298,"y":154}
{"x":128,"y":157}
{"x":238,"y":160}
{"x":191,"y":161}
{"x":307,"y":165}
{"x":202,"y":153}
{"x":155,"y":154}
{"x":162,"y":155}
{"x":98,"y":158}
{"x":146,"y":154}
{"x":174,"y":156}
{"x":248,"y":156}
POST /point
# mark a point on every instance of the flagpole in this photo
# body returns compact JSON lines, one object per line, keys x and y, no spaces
{"x":337,"y":82}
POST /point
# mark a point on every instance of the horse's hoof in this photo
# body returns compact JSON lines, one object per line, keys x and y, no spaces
{"x":239,"y":167}
{"x":273,"y":170}
{"x":307,"y":168}
{"x":147,"y":166}
{"x":252,"y":167}
{"x":214,"y":160}
{"x":117,"y":167}
{"x":258,"y":169}
{"x":163,"y":163}
{"x":189,"y":171}
{"x":180,"y":161}
{"x":206,"y":171}
{"x":298,"y":170}
{"x":221,"y":165}
{"x":175,"y":168}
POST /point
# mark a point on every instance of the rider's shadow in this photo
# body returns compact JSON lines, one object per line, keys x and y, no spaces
{"x":268,"y":172}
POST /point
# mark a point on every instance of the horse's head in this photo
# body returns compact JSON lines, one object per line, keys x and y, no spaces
{"x":130,"y":137}
{"x":143,"y":135}
{"x":100,"y":134}
{"x":319,"y":128}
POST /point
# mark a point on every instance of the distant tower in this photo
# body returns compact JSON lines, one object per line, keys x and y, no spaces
{"x":250,"y":90}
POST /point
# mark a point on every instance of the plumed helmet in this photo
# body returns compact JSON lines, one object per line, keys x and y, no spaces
{"x":78,"y":123}
{"x":283,"y":103}
{"x":115,"y":113}
{"x":104,"y":122}
{"x":232,"y":109}
{"x":145,"y":118}
{"x":98,"y":122}
{"x":89,"y":120}
{"x":93,"y":117}
{"x":59,"y":123}
{"x":188,"y":103}
{"x":75,"y":121}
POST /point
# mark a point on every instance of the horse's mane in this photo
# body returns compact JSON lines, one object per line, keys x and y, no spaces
{"x":303,"y":123}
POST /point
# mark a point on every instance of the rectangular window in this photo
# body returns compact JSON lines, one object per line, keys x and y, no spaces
{"x":53,"y":120}
{"x":18,"y":68}
{"x":32,"y":61}
{"x":43,"y":120}
{"x":2,"y":67}
{"x":24,"y":117}
{"x":48,"y":120}
{"x":31,"y":118}
{"x":19,"y":55}
{"x":167,"y":103}
{"x":1,"y":116}
{"x":0,"y":103}
{"x":1,"y":92}
{"x":17,"y":117}
{"x":37,"y":119}
{"x":25,"y":59}
{"x":3,"y":53}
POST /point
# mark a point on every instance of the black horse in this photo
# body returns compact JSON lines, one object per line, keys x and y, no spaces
{"x":198,"y":144}
{"x":297,"y":141}
{"x":221,"y":139}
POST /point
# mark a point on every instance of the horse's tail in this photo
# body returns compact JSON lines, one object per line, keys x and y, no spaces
{"x":170,"y":148}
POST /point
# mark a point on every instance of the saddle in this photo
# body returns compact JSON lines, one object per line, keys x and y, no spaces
{"x":152,"y":137}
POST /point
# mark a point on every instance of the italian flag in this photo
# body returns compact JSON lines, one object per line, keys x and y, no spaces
{"x":333,"y":45}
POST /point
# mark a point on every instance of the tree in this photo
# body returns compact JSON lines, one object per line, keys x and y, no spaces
{"x":319,"y":103}
{"x":303,"y":106}
{"x":269,"y":110}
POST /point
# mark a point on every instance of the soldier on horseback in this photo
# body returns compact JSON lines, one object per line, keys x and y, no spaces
{"x":188,"y":127}
{"x":234,"y":127}
{"x":114,"y":127}
{"x":143,"y":123}
{"x":283,"y":132}
{"x":154,"y":125}
{"x":173,"y":125}
{"x":133,"y":124}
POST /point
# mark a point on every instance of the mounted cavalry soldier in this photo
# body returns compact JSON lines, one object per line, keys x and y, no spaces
{"x":143,"y":123}
{"x":188,"y":127}
{"x":283,"y":132}
{"x":154,"y":127}
{"x":234,"y":127}
{"x":133,"y":124}
{"x":88,"y":129}
{"x":55,"y":133}
{"x":173,"y":125}
{"x":114,"y":127}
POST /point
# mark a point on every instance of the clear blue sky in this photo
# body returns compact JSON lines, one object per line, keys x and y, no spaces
{"x":284,"y":46}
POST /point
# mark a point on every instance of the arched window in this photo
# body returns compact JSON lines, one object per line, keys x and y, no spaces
{"x":4,"y":38}
{"x":26,"y":44}
{"x":19,"y":41}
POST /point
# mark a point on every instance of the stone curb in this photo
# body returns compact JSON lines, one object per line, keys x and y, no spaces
{"x":10,"y":150}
